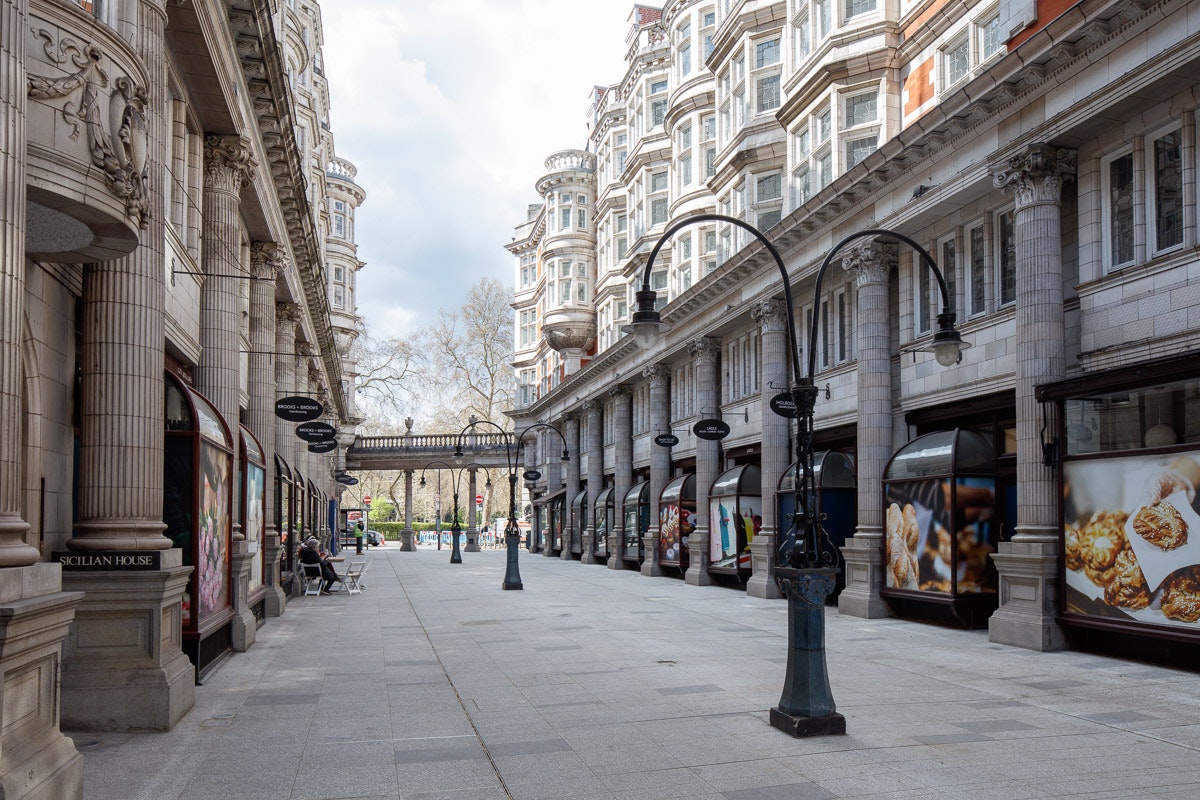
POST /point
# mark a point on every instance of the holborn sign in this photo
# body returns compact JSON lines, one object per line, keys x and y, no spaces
{"x":784,"y":405}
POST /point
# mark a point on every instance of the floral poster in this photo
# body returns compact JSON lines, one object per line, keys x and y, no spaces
{"x":213,"y":532}
{"x":254,"y":522}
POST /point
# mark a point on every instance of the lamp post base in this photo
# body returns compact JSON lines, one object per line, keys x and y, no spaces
{"x":806,"y":707}
{"x":799,"y":726}
{"x":512,"y":572}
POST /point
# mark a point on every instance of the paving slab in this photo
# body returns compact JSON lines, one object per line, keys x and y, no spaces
{"x":591,"y":684}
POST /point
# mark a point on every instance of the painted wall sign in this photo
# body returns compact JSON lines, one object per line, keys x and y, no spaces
{"x":298,"y":409}
{"x":109,"y":560}
{"x":711,"y":429}
{"x":316,"y":431}
{"x":784,"y":405}
{"x":666,"y":440}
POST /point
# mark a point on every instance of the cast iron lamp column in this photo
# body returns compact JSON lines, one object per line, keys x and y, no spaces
{"x":456,"y":528}
{"x":512,"y":533}
{"x":806,"y":706}
{"x":455,"y":556}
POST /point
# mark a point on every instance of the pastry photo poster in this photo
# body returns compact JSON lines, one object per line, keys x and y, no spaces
{"x":1131,"y":538}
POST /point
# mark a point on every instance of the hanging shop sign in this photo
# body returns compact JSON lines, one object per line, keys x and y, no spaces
{"x":323,"y":446}
{"x":345,"y":479}
{"x":298,"y":409}
{"x":666,"y":440}
{"x":316,"y":431}
{"x":351,"y":481}
{"x":531,"y":475}
{"x":712,"y":430}
{"x":784,"y":405}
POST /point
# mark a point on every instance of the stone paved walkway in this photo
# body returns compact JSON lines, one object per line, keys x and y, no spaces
{"x":595,"y":685}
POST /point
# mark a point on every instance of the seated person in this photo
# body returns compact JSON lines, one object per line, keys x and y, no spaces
{"x":310,"y":553}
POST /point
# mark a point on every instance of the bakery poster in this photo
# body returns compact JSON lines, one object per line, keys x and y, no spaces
{"x":1131,"y":539}
{"x":939,"y":535}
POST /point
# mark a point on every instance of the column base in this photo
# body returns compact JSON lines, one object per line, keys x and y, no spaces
{"x":408,"y":541}
{"x":650,"y":567}
{"x":275,"y":601}
{"x":614,"y":548}
{"x":1029,"y":575}
{"x":566,"y":555}
{"x":864,"y":578}
{"x":245,"y":627}
{"x":123,"y":664}
{"x":762,"y":557}
{"x":697,"y":571}
{"x":589,"y":556}
{"x":472,"y":545}
{"x":40,"y":763}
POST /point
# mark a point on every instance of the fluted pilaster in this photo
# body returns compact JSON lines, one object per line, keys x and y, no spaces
{"x":121,"y":409}
{"x":570,"y":429}
{"x":776,"y":355}
{"x":704,"y":352}
{"x":622,"y":401}
{"x":595,"y":478}
{"x":14,"y":552}
{"x":660,"y":460}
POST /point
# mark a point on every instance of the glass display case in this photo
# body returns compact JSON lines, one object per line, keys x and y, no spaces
{"x":940,"y":525}
{"x":836,"y":499}
{"x":557,"y":506}
{"x":604,"y":512}
{"x":579,"y":521}
{"x":254,"y":470}
{"x":198,"y":512}
{"x":637,"y":521}
{"x":283,"y":516}
{"x":734,"y":518}
{"x":676,"y":510}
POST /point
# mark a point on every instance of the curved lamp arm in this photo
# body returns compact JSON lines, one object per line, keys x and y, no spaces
{"x":458,"y":451}
{"x":566,"y":455}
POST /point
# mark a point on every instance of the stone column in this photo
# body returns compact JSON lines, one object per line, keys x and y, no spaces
{"x":147,"y":682}
{"x":407,"y":537}
{"x":776,"y":356}
{"x":552,"y":468}
{"x":704,"y":352}
{"x":300,"y":448}
{"x":472,"y":515}
{"x":228,"y":166}
{"x":287,"y":317}
{"x":871,"y":263}
{"x":36,"y":761}
{"x":570,"y":429}
{"x":595,"y":474}
{"x":660,"y":461}
{"x":267,"y":262}
{"x":623,"y":470}
{"x":530,"y":463}
{"x":1028,"y":565}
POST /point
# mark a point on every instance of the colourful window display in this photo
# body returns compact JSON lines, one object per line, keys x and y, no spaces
{"x":677,"y":508}
{"x":637,"y":521}
{"x":253,"y":477}
{"x":605,"y":516}
{"x":735,"y":517}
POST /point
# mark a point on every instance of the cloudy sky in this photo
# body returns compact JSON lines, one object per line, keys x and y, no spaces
{"x":449,"y":109}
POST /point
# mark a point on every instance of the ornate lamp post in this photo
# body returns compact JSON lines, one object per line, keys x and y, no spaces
{"x":512,"y":454}
{"x":805,"y":576}
{"x":455,"y":477}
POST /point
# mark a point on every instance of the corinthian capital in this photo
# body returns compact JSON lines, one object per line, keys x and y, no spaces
{"x":704,"y":350}
{"x":287,"y":313}
{"x":267,"y":260}
{"x":658,"y":375}
{"x":870,"y":261}
{"x":228,"y":162}
{"x":771,"y":315}
{"x":1036,"y":174}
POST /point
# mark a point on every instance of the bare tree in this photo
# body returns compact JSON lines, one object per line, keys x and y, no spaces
{"x":388,"y":370}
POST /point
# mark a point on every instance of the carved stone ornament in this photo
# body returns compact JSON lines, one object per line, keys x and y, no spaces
{"x":1037,"y":174}
{"x":870,"y":261}
{"x":658,"y":375}
{"x":287,"y":313}
{"x":704,"y":350}
{"x":594,"y":406}
{"x":120,"y":149}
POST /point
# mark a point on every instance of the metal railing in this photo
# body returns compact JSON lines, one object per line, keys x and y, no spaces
{"x":436,"y":441}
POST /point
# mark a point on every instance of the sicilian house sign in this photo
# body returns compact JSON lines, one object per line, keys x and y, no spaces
{"x":298,"y":409}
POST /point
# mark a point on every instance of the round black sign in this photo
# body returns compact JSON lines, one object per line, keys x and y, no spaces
{"x":711,"y":429}
{"x":531,"y":475}
{"x":316,"y":431}
{"x":666,"y":440}
{"x":298,"y":409}
{"x":784,"y":405}
{"x":323,"y":446}
{"x":351,"y":481}
{"x":344,"y":478}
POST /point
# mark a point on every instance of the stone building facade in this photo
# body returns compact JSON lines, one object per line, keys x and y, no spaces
{"x":1043,"y":155}
{"x":172,"y":208}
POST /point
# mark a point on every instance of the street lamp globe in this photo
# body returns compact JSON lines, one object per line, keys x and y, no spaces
{"x":947,"y":344}
{"x":646,"y":323}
